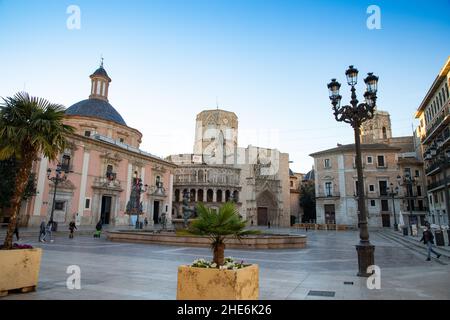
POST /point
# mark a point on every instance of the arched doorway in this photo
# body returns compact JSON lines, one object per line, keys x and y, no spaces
{"x":266,"y":209}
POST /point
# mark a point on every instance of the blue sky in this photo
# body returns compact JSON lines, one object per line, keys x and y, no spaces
{"x":268,"y":61}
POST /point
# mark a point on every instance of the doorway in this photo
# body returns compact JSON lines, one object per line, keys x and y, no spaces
{"x":386,"y":220}
{"x":106,"y":209}
{"x":262,"y":216}
{"x":330,"y":215}
{"x":155,"y":212}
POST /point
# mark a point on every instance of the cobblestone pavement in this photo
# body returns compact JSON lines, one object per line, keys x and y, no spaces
{"x":111,"y":270}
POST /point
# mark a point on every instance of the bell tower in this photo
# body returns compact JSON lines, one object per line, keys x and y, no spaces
{"x":377,"y":129}
{"x":99,"y":84}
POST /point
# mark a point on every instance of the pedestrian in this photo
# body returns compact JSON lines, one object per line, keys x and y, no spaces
{"x":268,"y":224}
{"x":72,"y":227}
{"x":16,"y":230}
{"x":48,"y":231}
{"x":428,"y":239}
{"x":146,"y":222}
{"x":98,"y":229}
{"x":42,"y":231}
{"x":252,"y":222}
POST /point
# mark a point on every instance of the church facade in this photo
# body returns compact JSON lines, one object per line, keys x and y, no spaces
{"x":101,"y":162}
{"x":256,"y":179}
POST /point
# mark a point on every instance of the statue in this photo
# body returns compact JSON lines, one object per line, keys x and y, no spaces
{"x":134,"y":205}
{"x":163,"y":221}
{"x":187,"y":211}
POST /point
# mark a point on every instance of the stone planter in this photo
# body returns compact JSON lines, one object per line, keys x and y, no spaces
{"x":19,"y":269}
{"x":216,"y":284}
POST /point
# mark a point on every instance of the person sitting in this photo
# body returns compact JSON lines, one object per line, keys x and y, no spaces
{"x":98,"y":229}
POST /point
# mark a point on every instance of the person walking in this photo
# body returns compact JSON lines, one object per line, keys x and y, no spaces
{"x":16,"y":230}
{"x":268,"y":224}
{"x":428,"y":240}
{"x":42,"y":231}
{"x":48,"y":231}
{"x":72,"y":227}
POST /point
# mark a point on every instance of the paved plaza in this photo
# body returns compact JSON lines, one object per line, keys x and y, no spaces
{"x":111,"y":270}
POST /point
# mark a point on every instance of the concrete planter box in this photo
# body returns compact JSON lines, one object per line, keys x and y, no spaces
{"x":216,"y":284}
{"x":19,"y":269}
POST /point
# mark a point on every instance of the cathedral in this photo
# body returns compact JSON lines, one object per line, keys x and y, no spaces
{"x":256,"y":179}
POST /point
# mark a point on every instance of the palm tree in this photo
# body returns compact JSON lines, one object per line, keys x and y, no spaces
{"x":29,"y":127}
{"x":218,"y":225}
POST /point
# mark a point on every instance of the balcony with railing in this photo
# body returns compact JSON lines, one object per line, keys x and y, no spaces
{"x":438,"y":184}
{"x":433,"y":128}
{"x":330,"y":194}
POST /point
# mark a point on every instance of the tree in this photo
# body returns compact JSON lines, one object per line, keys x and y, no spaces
{"x":218,"y":225}
{"x":8,"y":169}
{"x":308,"y":201}
{"x":29,"y":126}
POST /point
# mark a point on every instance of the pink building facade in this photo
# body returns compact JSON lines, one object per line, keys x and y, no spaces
{"x":100,"y":162}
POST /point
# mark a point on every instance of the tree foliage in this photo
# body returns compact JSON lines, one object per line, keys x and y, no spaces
{"x":217,"y":225}
{"x":308,"y":201}
{"x":29,"y":127}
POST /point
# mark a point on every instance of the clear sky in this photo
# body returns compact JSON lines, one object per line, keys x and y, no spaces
{"x":268,"y":61}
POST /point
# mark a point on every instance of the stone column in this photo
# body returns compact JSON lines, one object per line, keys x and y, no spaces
{"x":204,"y":195}
{"x":214,"y":195}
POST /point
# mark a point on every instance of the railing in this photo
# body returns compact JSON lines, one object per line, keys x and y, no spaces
{"x":328,"y":195}
{"x":432,"y":167}
{"x":430,"y":129}
{"x":437,"y":183}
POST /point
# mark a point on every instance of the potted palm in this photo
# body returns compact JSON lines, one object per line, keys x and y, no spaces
{"x":29,"y":127}
{"x":222,"y":278}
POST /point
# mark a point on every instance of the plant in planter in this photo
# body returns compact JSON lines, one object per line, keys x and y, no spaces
{"x":219,"y":225}
{"x":222,"y":278}
{"x":29,"y":127}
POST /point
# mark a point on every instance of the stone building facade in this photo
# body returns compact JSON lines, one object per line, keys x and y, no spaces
{"x":100,"y":162}
{"x":387,"y":161}
{"x":257,"y":179}
{"x":434,"y":132}
{"x":295,"y":182}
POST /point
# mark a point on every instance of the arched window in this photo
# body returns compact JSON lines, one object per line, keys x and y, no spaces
{"x":227,"y":195}
{"x":219,"y":195}
{"x":209,"y":195}
{"x":236,"y":195}
{"x":192,"y":195}
{"x":384,"y":133}
{"x":200,"y":195}
{"x":110,"y":172}
{"x":200,"y":176}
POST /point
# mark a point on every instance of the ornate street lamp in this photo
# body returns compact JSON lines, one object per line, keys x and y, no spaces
{"x":57,"y":179}
{"x":392,"y":192}
{"x":355,"y":114}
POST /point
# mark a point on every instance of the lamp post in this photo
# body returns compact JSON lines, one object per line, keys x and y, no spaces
{"x":392,"y":192}
{"x":355,"y":114}
{"x":57,"y":179}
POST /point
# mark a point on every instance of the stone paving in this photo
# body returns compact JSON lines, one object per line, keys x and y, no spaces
{"x":141,"y":271}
